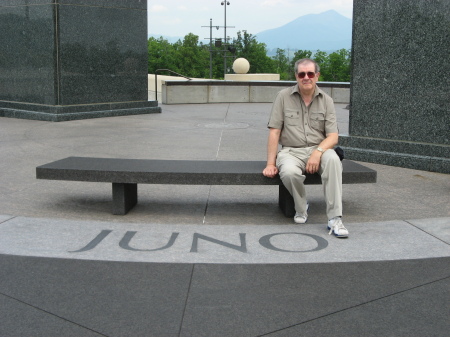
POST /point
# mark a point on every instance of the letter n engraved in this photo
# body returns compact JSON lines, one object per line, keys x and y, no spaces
{"x":265,"y":242}
{"x":91,"y":245}
{"x":125,"y":242}
{"x":242,"y":248}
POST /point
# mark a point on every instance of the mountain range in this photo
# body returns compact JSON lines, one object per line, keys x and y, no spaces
{"x":327,"y":31}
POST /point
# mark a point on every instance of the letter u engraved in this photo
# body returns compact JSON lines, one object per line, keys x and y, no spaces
{"x":125,"y":242}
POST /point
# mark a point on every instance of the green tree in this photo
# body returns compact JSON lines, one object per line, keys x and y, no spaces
{"x":217,"y":60}
{"x":334,"y":67}
{"x":281,"y":64}
{"x":255,"y":52}
{"x":322,"y":59}
{"x":191,"y":59}
{"x":160,"y":54}
{"x":339,"y":66}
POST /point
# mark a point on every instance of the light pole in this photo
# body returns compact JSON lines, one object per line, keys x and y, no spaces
{"x":225,"y":4}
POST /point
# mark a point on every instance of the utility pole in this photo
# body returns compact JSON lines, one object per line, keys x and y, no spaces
{"x":210,"y":46}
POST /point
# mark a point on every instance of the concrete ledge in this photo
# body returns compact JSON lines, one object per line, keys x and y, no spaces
{"x":210,"y":91}
{"x":229,"y":93}
{"x":252,"y":77}
{"x":181,"y":94}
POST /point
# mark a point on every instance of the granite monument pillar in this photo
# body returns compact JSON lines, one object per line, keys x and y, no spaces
{"x":73,"y":59}
{"x":399,"y":112}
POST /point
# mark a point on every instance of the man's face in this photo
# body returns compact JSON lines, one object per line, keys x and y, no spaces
{"x":305,"y":70}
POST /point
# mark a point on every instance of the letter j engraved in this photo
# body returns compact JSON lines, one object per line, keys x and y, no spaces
{"x":91,"y":245}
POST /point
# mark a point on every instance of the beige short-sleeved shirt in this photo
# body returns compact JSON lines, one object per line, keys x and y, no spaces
{"x":302,"y":126}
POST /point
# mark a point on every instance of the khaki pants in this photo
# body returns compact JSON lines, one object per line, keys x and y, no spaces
{"x":291,"y":163}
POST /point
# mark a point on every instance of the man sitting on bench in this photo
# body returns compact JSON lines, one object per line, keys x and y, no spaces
{"x":303,"y":121}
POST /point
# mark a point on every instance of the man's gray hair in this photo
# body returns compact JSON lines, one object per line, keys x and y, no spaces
{"x":301,"y":61}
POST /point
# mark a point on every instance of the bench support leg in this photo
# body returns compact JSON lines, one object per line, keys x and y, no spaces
{"x":286,"y":201}
{"x":124,"y":198}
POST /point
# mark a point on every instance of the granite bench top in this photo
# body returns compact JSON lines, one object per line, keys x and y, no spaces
{"x":180,"y":172}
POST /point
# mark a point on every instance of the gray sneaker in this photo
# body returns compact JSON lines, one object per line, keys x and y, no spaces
{"x":337,"y":228}
{"x":301,"y":218}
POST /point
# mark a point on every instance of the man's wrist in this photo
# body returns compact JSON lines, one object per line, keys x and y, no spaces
{"x":320,"y":150}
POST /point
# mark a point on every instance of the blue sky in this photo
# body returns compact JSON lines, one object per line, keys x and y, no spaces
{"x":180,"y":17}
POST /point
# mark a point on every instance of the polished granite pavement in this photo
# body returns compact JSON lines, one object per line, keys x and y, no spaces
{"x":211,"y":260}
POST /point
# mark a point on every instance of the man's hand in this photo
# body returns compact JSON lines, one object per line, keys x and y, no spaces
{"x":272,"y":149}
{"x":313,"y":164}
{"x":270,"y":171}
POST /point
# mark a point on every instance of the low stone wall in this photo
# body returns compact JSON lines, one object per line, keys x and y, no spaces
{"x":210,"y":91}
{"x":252,"y":77}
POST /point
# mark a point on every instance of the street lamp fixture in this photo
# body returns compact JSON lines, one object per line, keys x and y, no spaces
{"x":225,"y":4}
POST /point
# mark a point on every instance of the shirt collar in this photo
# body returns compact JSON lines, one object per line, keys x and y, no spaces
{"x":296,"y":89}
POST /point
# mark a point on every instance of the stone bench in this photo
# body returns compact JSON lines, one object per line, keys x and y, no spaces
{"x":126,"y":174}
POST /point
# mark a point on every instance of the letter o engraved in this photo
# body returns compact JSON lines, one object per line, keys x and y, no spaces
{"x":265,"y":242}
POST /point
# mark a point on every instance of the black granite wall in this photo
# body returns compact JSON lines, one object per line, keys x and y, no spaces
{"x":400,"y":105}
{"x":72,"y":59}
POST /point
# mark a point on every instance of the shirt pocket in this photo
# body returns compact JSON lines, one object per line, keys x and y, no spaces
{"x":292,"y":117}
{"x":317,"y":120}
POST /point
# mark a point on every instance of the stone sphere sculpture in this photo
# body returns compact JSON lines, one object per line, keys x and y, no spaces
{"x":241,"y":66}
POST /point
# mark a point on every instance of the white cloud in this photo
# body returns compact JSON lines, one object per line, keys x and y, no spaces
{"x":273,"y":3}
{"x":157,"y":9}
{"x":173,"y":21}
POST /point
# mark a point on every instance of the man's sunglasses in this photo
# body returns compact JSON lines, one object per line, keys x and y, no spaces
{"x":309,"y":73}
